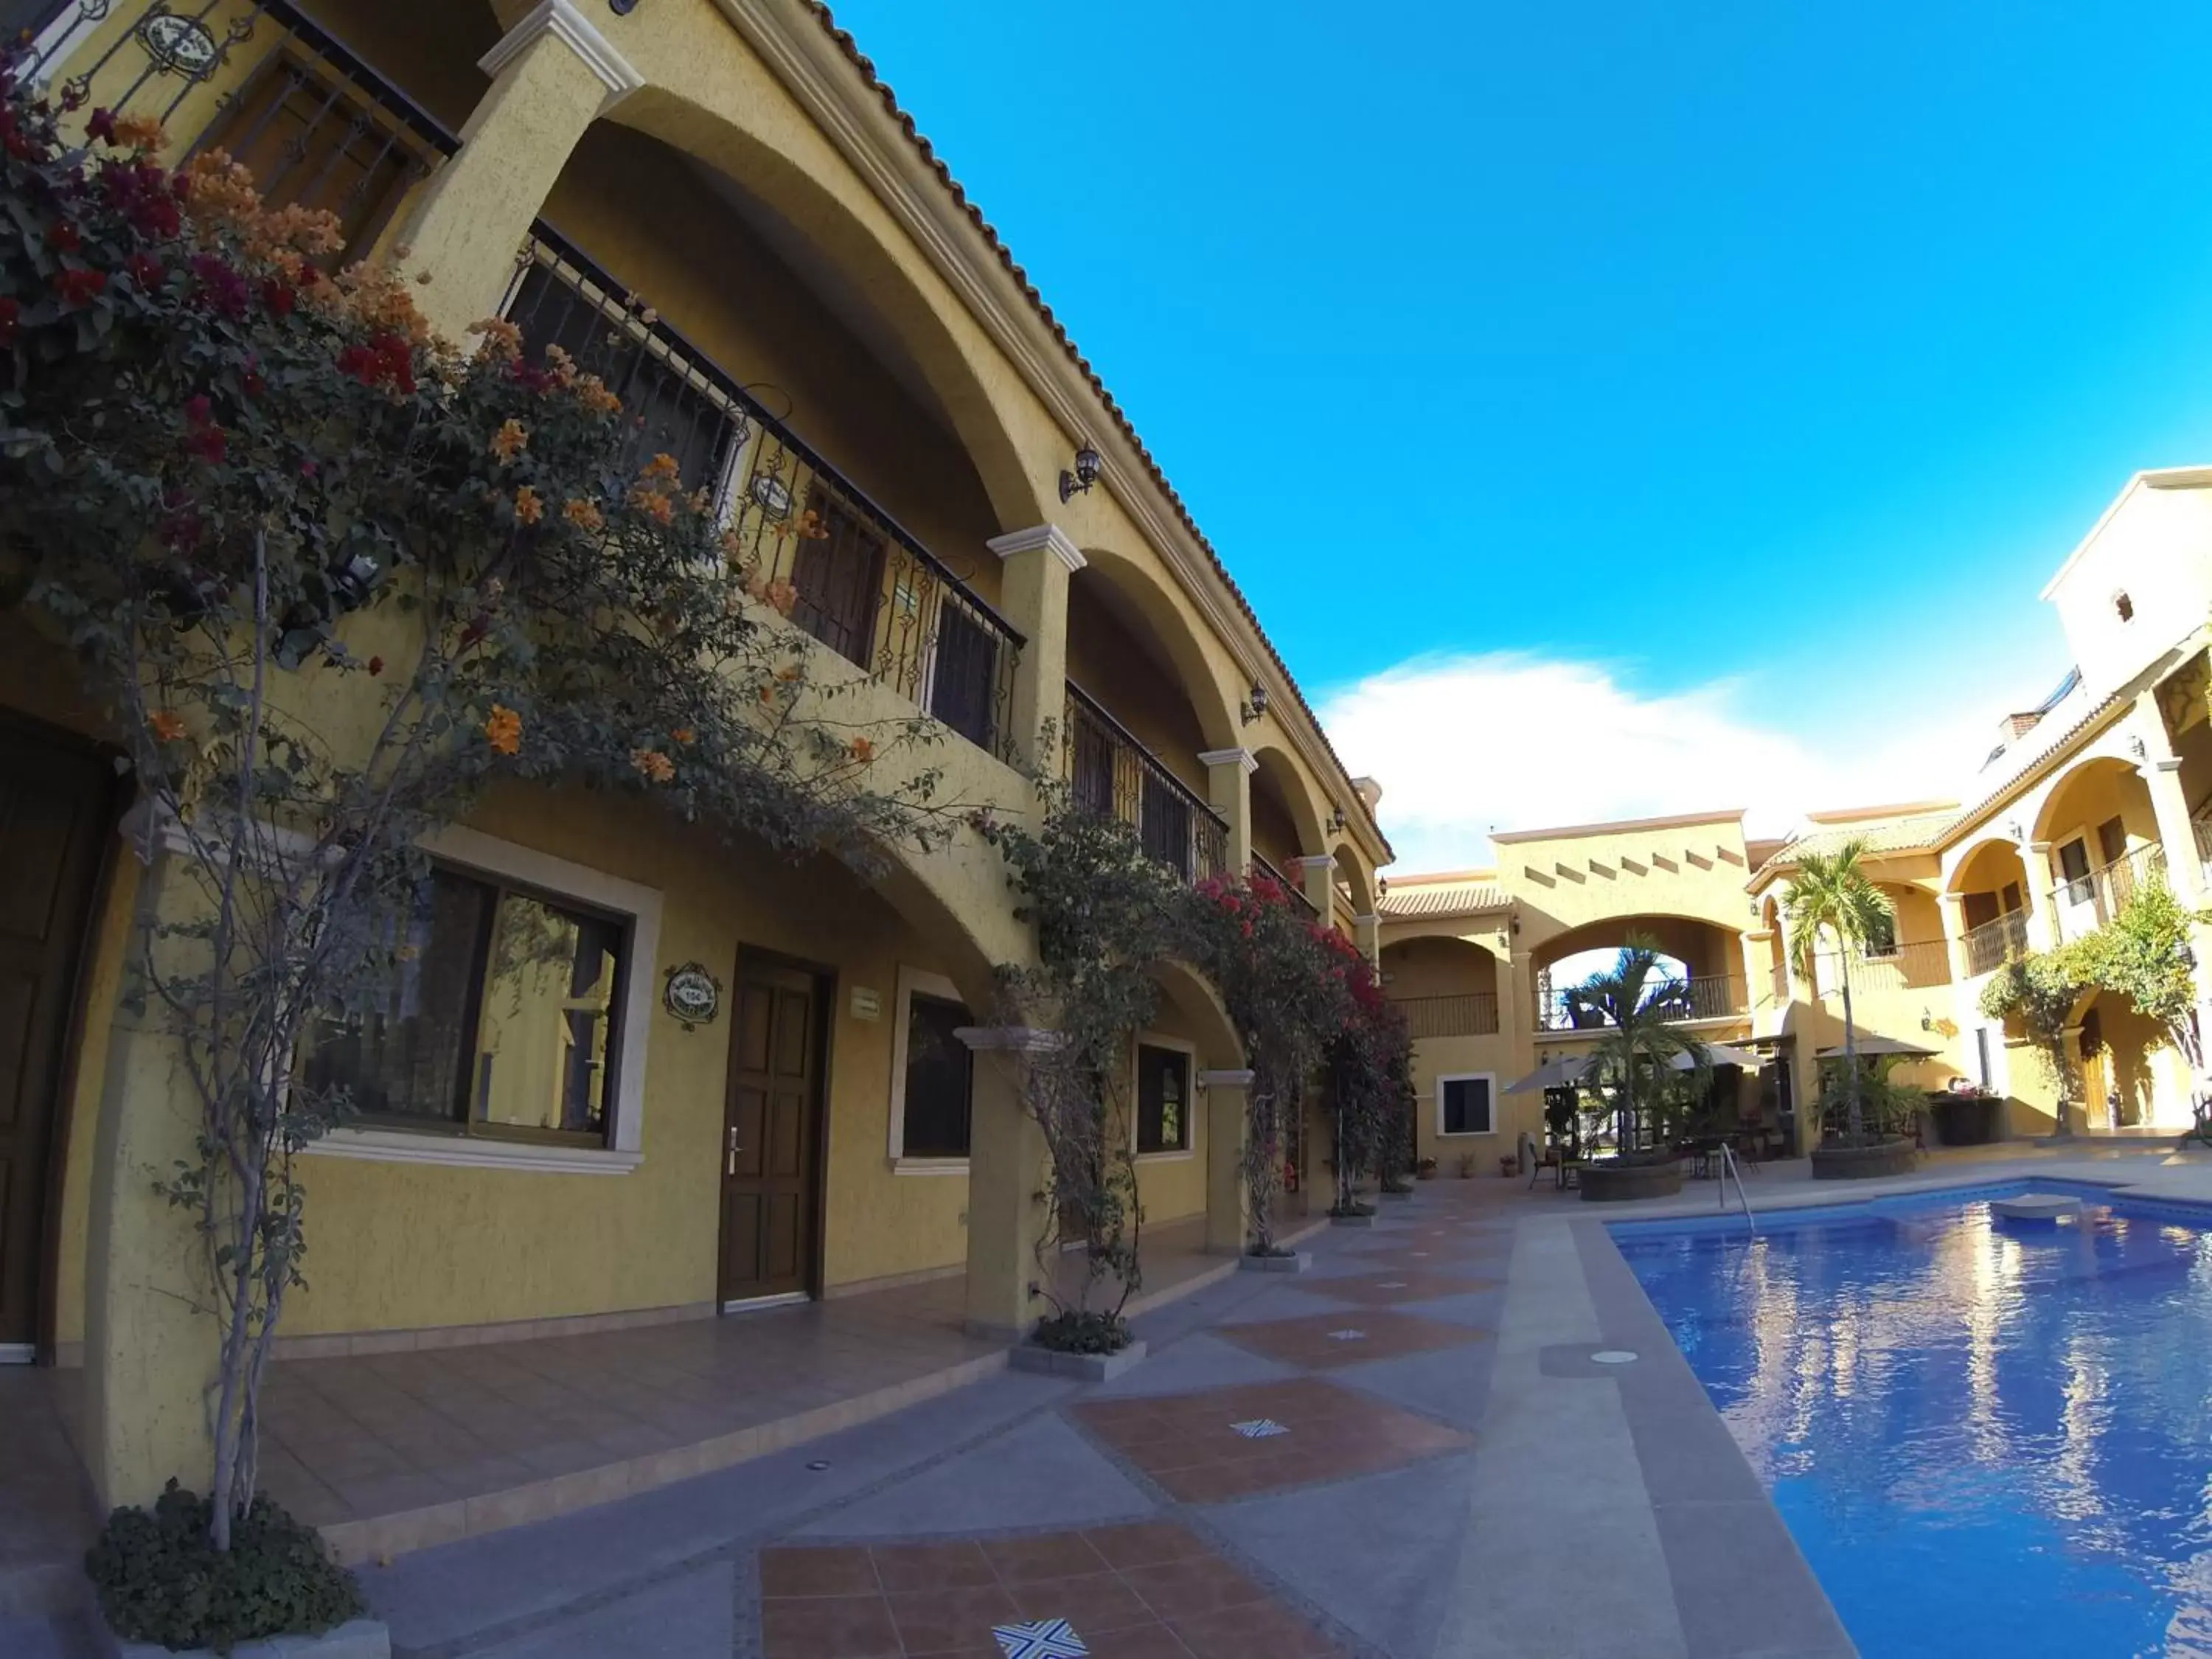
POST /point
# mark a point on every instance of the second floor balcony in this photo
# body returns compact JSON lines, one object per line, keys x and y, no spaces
{"x":1473,"y":1013}
{"x":1705,"y":996}
{"x":1990,"y":944}
{"x":2086,"y":901}
{"x":1109,"y":772}
{"x":1899,"y":967}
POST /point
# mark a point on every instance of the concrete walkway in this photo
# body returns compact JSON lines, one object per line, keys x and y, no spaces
{"x":1411,"y":1450}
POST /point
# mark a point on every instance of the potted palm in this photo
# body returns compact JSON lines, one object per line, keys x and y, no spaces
{"x":1831,"y":897}
{"x":1631,"y":1067}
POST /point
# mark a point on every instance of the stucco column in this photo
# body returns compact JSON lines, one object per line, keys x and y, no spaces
{"x":1367,"y":934}
{"x":2069,"y":1076}
{"x":1228,"y":1198}
{"x":1954,"y":935}
{"x":553,"y":74}
{"x":2042,"y":921}
{"x":152,"y":1347}
{"x":1229,"y":788}
{"x":1758,"y":970}
{"x":1008,"y":1185}
{"x":1317,"y":874}
{"x":2185,"y":871}
{"x":1037,"y":563}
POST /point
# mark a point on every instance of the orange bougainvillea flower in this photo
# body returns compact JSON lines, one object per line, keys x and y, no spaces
{"x":507,"y":443}
{"x":503,"y":730}
{"x":139,"y":132}
{"x":655,"y":505}
{"x":502,"y":342}
{"x":527,"y":507}
{"x":863,"y":750}
{"x":782,"y":595}
{"x":165,"y":725}
{"x":661,"y":467}
{"x":652,"y":765}
{"x":583,"y":514}
{"x":592,"y":392}
{"x":683,"y":735}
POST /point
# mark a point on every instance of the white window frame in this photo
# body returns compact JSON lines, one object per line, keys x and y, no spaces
{"x":911,"y":980}
{"x":1189,"y":1049}
{"x":472,"y":850}
{"x":1444,"y":1078}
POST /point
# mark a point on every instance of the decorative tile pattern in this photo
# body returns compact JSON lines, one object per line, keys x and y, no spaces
{"x":1320,"y":1342}
{"x":1260,"y":1428}
{"x":1404,"y":1284}
{"x":1330,"y":1433}
{"x":1042,"y":1638}
{"x":1148,"y":1591}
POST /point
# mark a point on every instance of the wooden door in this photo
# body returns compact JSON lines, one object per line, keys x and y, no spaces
{"x":772,"y":1132}
{"x":54,"y":817}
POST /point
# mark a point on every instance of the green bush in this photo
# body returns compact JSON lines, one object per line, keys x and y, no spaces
{"x":160,"y":1579}
{"x":1077,"y":1331}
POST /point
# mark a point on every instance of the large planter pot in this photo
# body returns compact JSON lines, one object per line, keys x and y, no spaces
{"x":1965,"y":1120}
{"x":1610,"y":1183}
{"x":1896,"y":1156}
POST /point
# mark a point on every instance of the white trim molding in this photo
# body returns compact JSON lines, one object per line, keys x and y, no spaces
{"x":1443,"y":1078}
{"x":561,"y":19}
{"x":1049,"y":536}
{"x":1226,"y":1080}
{"x":909,"y":981}
{"x":1243,"y":757}
{"x":471,"y":1152}
{"x":471,"y":849}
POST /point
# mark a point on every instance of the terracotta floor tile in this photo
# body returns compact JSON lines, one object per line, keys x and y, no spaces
{"x":828,"y":1627}
{"x":1392,"y":1286}
{"x":902,"y":1567}
{"x":828,"y":1570}
{"x":1143,"y":1543}
{"x":1100,"y":1602}
{"x":1053,"y":1555}
{"x":1270,"y":1631}
{"x":1316,"y":1339}
{"x":946,"y":1621}
{"x":1186,"y":1590}
{"x":1137,"y":1642}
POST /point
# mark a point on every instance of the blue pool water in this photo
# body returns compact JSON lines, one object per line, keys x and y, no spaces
{"x":1985,"y":1439}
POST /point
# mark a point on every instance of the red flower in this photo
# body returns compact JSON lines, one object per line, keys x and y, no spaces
{"x":198,"y":412}
{"x":220,"y":288}
{"x":375,"y":666}
{"x":101,"y":126}
{"x":208,"y":443}
{"x":277,"y":297}
{"x":385,"y":360}
{"x":308,"y":468}
{"x":146,"y":271}
{"x":65,"y":237}
{"x":252,"y":384}
{"x":77,"y":287}
{"x":11,"y":312}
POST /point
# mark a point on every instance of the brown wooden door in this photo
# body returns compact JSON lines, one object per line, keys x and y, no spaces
{"x":772,"y":1132}
{"x":54,"y":817}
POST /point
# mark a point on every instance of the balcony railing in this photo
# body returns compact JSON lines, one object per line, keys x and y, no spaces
{"x":2087,"y":902}
{"x":1900,"y":967}
{"x":1711,"y":996}
{"x":317,"y":126}
{"x":1296,"y":890}
{"x":1473,"y":1013}
{"x":2201,"y":828}
{"x":1110,"y":773}
{"x":1995,"y":942}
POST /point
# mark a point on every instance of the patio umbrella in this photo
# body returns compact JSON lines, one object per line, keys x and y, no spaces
{"x":1880,"y":1045}
{"x":1552,"y":1074}
{"x":1719,"y":1054}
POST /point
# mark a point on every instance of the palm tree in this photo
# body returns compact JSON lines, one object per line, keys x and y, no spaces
{"x":1632,"y":998}
{"x":1831,"y":894}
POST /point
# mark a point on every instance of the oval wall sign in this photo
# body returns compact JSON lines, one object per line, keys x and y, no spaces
{"x":692,"y":995}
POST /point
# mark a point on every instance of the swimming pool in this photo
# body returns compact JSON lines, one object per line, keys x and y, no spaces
{"x":1985,"y":1439}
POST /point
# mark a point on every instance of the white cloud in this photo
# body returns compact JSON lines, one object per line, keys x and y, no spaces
{"x":1464,"y":745}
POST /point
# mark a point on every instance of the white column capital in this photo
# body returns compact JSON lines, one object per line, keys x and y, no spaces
{"x":1049,"y":536}
{"x":1243,"y":757}
{"x":1372,"y":919}
{"x":1225,"y":1079}
{"x":2166,"y":765}
{"x":561,"y":19}
{"x":1316,"y":861}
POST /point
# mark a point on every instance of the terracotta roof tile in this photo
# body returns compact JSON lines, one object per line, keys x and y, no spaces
{"x":1442,"y":898}
{"x":843,"y":37}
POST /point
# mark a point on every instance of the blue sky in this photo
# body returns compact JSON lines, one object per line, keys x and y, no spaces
{"x":1724,"y":380}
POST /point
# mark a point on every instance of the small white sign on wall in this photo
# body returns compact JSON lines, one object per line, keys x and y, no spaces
{"x":866,"y":1004}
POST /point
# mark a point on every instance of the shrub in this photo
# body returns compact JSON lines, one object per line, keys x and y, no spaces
{"x":1074,"y":1330}
{"x":159,"y":1578}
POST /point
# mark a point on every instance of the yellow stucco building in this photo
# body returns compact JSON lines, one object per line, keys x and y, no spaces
{"x":724,"y":203}
{"x":2103,"y":785}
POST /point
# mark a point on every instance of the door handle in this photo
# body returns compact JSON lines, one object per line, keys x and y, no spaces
{"x":730,"y":1160}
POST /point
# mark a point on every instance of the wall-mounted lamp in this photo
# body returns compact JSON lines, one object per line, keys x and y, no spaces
{"x":1085,"y":474}
{"x":1255,"y":705}
{"x":2136,"y":748}
{"x":1336,"y":819}
{"x":1927,"y":1020}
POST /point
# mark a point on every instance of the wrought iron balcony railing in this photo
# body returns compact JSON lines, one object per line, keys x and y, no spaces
{"x":1296,"y":890}
{"x":1992,"y":944}
{"x":2087,"y":902}
{"x":1710,"y":996}
{"x":1473,"y":1013}
{"x":842,"y":567}
{"x":1110,"y":773}
{"x":314,"y":123}
{"x":1900,"y":967}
